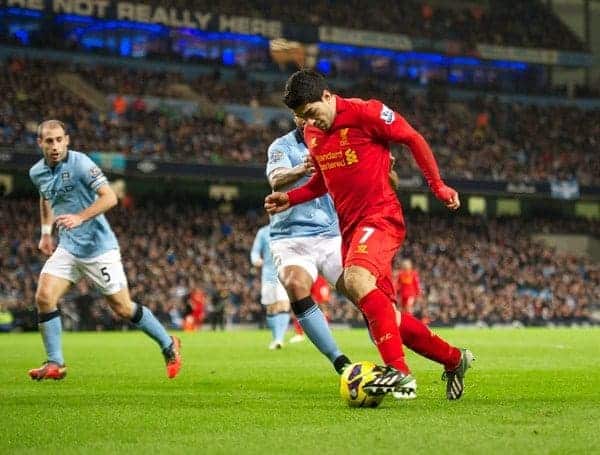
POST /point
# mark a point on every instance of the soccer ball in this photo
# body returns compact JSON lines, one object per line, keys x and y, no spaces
{"x":352,"y":381}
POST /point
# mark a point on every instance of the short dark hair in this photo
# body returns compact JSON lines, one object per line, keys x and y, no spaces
{"x":302,"y":87}
{"x":50,"y":124}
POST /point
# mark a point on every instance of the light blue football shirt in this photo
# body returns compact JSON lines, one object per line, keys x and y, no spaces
{"x":316,"y":217}
{"x":71,"y":187}
{"x":261,"y":249}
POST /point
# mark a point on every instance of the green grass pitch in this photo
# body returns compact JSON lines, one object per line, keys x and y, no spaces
{"x":530,"y":391}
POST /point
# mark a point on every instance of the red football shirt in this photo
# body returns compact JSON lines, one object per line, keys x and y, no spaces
{"x":408,"y":283}
{"x":352,"y":161}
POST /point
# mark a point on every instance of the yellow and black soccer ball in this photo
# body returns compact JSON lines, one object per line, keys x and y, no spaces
{"x":353,"y":379}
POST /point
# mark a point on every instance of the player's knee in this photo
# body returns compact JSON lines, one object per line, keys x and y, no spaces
{"x":296,"y":288}
{"x":44,"y":300}
{"x":297,"y":282}
{"x":123,"y":309}
{"x":358,"y":282}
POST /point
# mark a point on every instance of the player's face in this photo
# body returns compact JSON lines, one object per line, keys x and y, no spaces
{"x":319,"y":113}
{"x":54,"y":143}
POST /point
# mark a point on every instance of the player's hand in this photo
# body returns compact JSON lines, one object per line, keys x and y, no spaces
{"x":448,"y":196}
{"x":46,"y":244}
{"x":277,"y":202}
{"x":258,"y":263}
{"x":309,"y":165}
{"x":68,"y":221}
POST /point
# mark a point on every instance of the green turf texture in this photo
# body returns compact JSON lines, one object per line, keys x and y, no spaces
{"x":530,"y":391}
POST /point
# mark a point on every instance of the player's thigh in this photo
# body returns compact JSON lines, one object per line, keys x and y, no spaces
{"x":373,"y":246}
{"x":292,"y":257}
{"x":58,"y":274}
{"x":106,"y":272}
{"x":329,"y":251}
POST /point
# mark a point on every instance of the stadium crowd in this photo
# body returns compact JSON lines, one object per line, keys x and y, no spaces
{"x":481,"y":139}
{"x":525,"y":23}
{"x":194,"y":260}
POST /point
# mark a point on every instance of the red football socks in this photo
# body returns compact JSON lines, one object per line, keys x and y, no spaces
{"x":417,"y":337}
{"x":381,"y":318}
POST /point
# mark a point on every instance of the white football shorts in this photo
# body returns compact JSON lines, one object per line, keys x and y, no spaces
{"x":273,"y":292}
{"x":105,"y":271}
{"x":314,"y":254}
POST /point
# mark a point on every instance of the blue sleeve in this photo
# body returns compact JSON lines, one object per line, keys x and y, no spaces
{"x":278,"y":156}
{"x":89,"y":173}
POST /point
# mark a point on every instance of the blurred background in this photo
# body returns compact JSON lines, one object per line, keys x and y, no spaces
{"x":178,"y":101}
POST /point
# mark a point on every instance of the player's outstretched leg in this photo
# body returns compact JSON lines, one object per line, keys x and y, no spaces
{"x":417,"y":337}
{"x":142,"y":318}
{"x":316,"y":328}
{"x":170,"y":346}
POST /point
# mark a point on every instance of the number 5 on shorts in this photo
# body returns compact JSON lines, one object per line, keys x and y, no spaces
{"x":105,"y":274}
{"x":368,"y":233}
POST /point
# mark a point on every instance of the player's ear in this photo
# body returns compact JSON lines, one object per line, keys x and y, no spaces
{"x":326,"y":95}
{"x":67,"y":140}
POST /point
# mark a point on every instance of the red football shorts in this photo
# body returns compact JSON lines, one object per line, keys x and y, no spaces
{"x":373,"y":245}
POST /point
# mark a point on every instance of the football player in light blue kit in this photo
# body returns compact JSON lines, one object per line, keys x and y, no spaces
{"x":272,"y":293}
{"x":305,"y":241}
{"x":74,"y":194}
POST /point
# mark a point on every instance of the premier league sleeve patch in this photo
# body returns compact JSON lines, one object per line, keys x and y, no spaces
{"x":95,"y":172}
{"x":276,"y":156}
{"x":387,"y":115}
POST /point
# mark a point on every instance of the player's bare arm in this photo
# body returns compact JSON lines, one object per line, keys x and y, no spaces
{"x":283,"y":177}
{"x":46,"y":244}
{"x":107,"y":199}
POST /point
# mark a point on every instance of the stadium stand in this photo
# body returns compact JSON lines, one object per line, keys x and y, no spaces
{"x":473,"y":270}
{"x":479,"y":139}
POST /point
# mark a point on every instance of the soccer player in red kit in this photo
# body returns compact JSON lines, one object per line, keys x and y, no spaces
{"x":408,"y":286}
{"x":348,"y":140}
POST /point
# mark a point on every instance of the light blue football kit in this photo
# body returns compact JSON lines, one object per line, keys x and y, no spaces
{"x":307,"y":236}
{"x":90,"y":249}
